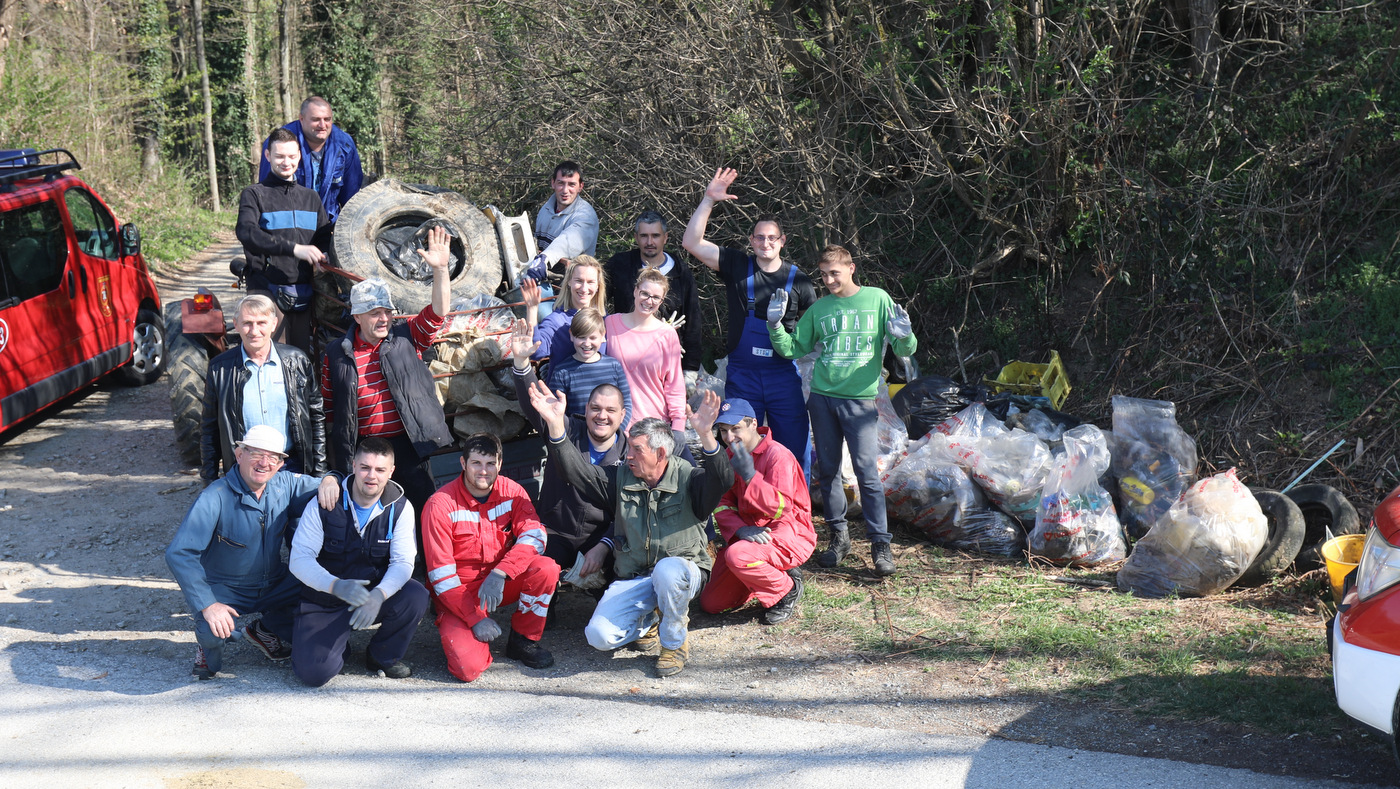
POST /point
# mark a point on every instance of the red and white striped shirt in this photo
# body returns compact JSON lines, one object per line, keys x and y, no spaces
{"x":376,"y":414}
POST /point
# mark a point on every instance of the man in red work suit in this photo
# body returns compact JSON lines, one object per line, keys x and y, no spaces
{"x":484,"y":547}
{"x":765,"y":519}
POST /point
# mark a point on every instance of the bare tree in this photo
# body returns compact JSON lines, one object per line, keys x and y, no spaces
{"x":197,"y":20}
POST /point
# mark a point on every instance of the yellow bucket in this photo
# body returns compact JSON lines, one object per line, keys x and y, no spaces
{"x":1342,"y":554}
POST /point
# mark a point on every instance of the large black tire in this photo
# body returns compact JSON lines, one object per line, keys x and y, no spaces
{"x":188,"y":364}
{"x":1286,"y":530}
{"x":389,"y":202}
{"x":1324,"y":508}
{"x":148,"y":355}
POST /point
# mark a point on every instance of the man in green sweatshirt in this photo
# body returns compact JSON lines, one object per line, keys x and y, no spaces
{"x":851,"y":324}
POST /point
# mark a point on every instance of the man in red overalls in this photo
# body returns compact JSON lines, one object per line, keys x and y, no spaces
{"x":765,"y":519}
{"x":484,"y":547}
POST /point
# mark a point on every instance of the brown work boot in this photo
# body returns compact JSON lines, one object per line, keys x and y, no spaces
{"x":649,"y":640}
{"x":673,"y":660}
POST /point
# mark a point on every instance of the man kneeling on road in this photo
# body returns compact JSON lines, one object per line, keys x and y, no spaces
{"x":227,"y":553}
{"x":765,"y":519}
{"x":355,"y":559}
{"x":484,"y":547}
{"x":662,"y":504}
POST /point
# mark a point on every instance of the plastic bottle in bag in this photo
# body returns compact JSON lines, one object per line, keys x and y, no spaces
{"x":1075,"y":522}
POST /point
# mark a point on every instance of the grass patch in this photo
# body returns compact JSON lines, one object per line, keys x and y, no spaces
{"x":1256,"y":657}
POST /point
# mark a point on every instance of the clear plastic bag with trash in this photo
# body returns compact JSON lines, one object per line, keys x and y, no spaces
{"x":890,"y":432}
{"x":485,"y":315}
{"x":1148,"y":482}
{"x":398,"y":245}
{"x":928,"y":490}
{"x":1204,"y":543}
{"x":1153,"y":422}
{"x":1075,"y":523}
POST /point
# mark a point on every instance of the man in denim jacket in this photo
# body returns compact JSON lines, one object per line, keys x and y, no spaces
{"x":227,"y":553}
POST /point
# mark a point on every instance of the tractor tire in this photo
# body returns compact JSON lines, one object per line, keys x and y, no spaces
{"x":390,"y":203}
{"x":1324,"y":507}
{"x":1286,"y":529}
{"x":188,"y":364}
{"x":148,"y":354}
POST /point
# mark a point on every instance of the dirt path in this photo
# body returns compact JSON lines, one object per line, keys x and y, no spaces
{"x":90,"y":495}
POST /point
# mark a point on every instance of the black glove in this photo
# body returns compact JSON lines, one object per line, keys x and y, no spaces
{"x":492,"y":590}
{"x":742,"y":461}
{"x":353,"y":592}
{"x":486,"y":630}
{"x":753,"y":534}
{"x":368,"y":612}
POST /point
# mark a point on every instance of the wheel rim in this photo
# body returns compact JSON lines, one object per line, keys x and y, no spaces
{"x":149,"y":349}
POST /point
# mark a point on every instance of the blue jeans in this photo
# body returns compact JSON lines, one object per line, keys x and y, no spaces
{"x":835,"y":420}
{"x":628,"y":608}
{"x":276,"y":603}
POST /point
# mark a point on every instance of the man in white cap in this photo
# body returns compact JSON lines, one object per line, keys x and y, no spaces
{"x":227,"y":553}
{"x":374,"y":381}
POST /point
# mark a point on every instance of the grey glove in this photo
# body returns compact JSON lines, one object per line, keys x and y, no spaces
{"x":368,"y":612}
{"x":777,"y":308}
{"x":492,"y":590}
{"x":899,"y":326}
{"x":486,"y":630}
{"x":754,"y":534}
{"x":742,"y":461}
{"x":353,"y":592}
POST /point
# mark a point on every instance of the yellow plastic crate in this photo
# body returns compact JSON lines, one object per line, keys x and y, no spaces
{"x":1026,"y":378}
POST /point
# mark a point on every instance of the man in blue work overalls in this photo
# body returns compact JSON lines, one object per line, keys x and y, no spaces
{"x":755,"y":373}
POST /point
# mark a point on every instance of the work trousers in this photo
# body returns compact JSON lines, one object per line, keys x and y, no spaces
{"x":531,"y":591}
{"x":276,"y":603}
{"x":775,"y":393}
{"x":746,"y":571}
{"x":836,"y":420}
{"x":320,"y":633}
{"x":629,"y":608}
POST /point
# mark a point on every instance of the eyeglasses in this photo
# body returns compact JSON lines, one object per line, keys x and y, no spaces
{"x":263,"y":457}
{"x":761,"y":239}
{"x":649,"y":297}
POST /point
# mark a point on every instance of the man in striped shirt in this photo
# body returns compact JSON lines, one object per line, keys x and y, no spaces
{"x":484,"y":547}
{"x":375,"y":383}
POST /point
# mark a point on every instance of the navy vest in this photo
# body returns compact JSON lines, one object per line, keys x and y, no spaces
{"x":348,"y":554}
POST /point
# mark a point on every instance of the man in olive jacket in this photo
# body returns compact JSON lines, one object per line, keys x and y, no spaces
{"x":261,"y":382}
{"x":661,"y":505}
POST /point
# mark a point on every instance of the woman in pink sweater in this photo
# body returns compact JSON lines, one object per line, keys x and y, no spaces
{"x":650,"y":353}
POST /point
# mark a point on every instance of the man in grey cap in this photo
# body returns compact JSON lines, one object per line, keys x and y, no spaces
{"x":374,"y":381}
{"x":227,"y":553}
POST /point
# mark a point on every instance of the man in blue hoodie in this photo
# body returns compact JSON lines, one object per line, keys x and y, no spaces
{"x":330,"y":162}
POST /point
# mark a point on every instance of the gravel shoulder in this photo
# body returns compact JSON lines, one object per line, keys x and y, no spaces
{"x":90,"y":495}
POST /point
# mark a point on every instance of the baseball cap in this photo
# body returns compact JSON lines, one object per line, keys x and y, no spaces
{"x":733,"y":410}
{"x":265,"y":438}
{"x":369,"y":295}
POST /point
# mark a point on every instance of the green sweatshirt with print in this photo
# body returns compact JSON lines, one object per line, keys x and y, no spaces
{"x":851,"y":331}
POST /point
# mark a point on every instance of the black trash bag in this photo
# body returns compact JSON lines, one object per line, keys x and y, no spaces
{"x":398,"y":245}
{"x":1047,"y":424}
{"x":929,"y":400}
{"x":927,"y":491}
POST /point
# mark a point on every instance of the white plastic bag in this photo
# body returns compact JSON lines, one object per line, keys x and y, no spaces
{"x":890,"y":431}
{"x":594,"y":580}
{"x":1075,"y":523}
{"x":1203,"y":544}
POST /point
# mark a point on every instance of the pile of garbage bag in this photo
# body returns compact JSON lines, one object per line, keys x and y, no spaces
{"x":468,"y":370}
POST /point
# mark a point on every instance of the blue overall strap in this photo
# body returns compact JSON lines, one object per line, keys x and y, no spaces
{"x":792,"y":277}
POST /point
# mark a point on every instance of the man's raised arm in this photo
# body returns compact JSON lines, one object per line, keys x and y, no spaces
{"x":694,"y":240}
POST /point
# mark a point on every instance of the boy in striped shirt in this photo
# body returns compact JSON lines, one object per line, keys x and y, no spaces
{"x":587,"y":369}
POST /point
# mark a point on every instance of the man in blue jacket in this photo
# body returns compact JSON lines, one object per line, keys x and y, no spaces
{"x":330,"y":162}
{"x":227,"y":553}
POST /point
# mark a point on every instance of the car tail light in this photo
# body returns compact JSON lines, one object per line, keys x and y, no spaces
{"x":203,"y":300}
{"x":1379,"y":568}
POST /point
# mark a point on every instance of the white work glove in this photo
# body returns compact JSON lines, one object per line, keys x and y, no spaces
{"x":777,"y":308}
{"x":676,"y":321}
{"x":899,"y":326}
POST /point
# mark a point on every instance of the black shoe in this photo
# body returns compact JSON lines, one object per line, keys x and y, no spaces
{"x":836,"y":550}
{"x":528,"y":652}
{"x":783,"y":610}
{"x":396,"y":670}
{"x":201,"y":665}
{"x":883,"y":558}
{"x":266,"y":642}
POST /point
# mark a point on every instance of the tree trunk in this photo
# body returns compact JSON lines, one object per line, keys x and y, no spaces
{"x":250,"y":84}
{"x":9,"y":14}
{"x":197,"y":9}
{"x":286,"y":30}
{"x":1205,"y":39}
{"x":153,"y":66}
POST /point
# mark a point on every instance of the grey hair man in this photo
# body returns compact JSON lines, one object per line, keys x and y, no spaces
{"x":657,"y":539}
{"x":682,"y":305}
{"x":261,"y":382}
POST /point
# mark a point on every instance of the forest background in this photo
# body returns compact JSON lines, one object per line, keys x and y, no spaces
{"x":1190,"y":200}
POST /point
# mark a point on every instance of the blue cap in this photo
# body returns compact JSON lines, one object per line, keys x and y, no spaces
{"x":733,"y":410}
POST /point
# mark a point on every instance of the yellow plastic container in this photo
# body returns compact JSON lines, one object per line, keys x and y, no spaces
{"x":1027,"y":378}
{"x":1342,"y":554}
{"x":894,"y":389}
